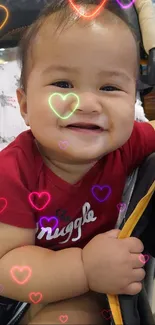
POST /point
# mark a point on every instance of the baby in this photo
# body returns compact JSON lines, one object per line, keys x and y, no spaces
{"x":62,"y":180}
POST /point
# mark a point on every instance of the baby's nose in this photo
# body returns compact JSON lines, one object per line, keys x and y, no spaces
{"x":89,"y":103}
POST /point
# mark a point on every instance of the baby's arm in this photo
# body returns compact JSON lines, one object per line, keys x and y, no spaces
{"x":56,"y":275}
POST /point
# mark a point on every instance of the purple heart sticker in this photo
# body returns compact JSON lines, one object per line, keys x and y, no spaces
{"x":101,"y":188}
{"x":48,"y":220}
{"x":125,"y":6}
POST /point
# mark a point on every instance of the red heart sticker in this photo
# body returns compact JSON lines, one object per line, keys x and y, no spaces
{"x":106,"y":313}
{"x":35,"y":297}
{"x":63,"y":318}
{"x":23,"y":272}
{"x":6,"y":16}
{"x":42,"y":200}
{"x":3,"y":204}
{"x":93,"y":14}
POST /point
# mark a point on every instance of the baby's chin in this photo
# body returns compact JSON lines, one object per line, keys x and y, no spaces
{"x":89,"y":153}
{"x":79,"y":156}
{"x":75,"y":150}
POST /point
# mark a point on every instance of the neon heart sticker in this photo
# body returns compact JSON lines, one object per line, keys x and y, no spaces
{"x":63,"y":144}
{"x":6,"y":17}
{"x":48,"y":219}
{"x":3,"y":204}
{"x":96,"y":11}
{"x":63,"y":97}
{"x":144,"y":258}
{"x":47,"y":199}
{"x":121,"y":207}
{"x":93,"y":14}
{"x":106,"y":313}
{"x":125,"y":6}
{"x":21,"y":269}
{"x":63,"y":318}
{"x":33,"y":295}
{"x":101,"y":188}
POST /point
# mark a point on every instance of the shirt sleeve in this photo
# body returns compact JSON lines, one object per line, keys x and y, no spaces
{"x":140,"y":145}
{"x":15,"y":208}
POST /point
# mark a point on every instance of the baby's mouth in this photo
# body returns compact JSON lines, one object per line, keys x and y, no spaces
{"x":85,"y":127}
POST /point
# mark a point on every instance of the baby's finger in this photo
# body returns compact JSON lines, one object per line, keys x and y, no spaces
{"x":133,"y":289}
{"x":136,"y":261}
{"x":135,"y":245}
{"x":138,"y":275}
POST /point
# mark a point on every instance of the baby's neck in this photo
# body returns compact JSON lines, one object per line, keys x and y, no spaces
{"x":68,"y":172}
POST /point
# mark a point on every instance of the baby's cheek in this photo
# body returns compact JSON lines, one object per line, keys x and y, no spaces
{"x":126,"y":112}
{"x":126,"y":128}
{"x":40,"y":111}
{"x":55,"y":103}
{"x":123,"y":121}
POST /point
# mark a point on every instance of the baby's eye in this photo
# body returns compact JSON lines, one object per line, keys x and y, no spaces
{"x":62,"y":84}
{"x":109,"y":88}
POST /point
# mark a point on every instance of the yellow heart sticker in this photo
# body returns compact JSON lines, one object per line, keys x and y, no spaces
{"x":64,"y":97}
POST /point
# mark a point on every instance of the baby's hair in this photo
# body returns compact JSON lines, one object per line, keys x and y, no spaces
{"x":65,"y":15}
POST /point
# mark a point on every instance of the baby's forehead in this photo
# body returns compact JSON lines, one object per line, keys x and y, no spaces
{"x":54,"y":37}
{"x":55,"y":24}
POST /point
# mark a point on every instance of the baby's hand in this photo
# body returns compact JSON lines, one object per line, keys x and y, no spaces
{"x":112,"y":265}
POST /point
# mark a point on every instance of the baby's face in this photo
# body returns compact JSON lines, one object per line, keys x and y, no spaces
{"x":97,"y":63}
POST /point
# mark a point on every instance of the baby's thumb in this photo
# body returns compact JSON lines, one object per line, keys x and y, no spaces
{"x":113,"y":233}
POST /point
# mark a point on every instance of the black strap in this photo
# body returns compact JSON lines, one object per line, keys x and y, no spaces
{"x":11,"y":311}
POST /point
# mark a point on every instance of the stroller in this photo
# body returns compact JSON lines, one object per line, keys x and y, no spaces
{"x":139,"y":197}
{"x":139,"y":192}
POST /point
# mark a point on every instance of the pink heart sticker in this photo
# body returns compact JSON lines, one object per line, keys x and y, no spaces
{"x":35,"y":297}
{"x":144,"y":258}
{"x":44,"y":222}
{"x":3,"y":204}
{"x":121,"y":207}
{"x":43,"y":199}
{"x":63,"y":318}
{"x":63,"y":145}
{"x":20,"y":271}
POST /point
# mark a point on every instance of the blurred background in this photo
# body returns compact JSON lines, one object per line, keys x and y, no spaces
{"x":11,"y":123}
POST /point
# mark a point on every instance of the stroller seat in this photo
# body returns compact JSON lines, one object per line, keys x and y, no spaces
{"x":136,"y":310}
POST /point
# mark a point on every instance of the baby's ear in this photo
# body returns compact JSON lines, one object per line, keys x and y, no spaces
{"x":22,"y":101}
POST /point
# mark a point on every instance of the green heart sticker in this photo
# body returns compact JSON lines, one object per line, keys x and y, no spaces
{"x":63,"y":97}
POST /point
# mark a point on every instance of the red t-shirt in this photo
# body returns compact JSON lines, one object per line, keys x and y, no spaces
{"x":66,"y":215}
